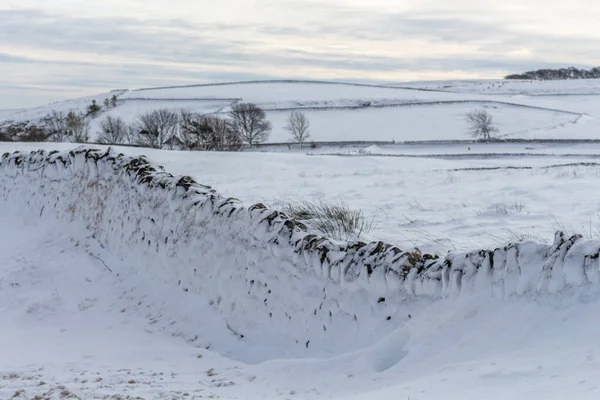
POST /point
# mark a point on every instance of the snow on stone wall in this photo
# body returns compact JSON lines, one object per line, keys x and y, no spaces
{"x":258,"y":267}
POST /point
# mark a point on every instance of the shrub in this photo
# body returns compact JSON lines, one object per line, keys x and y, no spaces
{"x":334,"y":220}
{"x":33,"y":133}
{"x":93,"y":108}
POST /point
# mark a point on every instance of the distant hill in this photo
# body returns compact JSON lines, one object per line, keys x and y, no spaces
{"x":557,"y":74}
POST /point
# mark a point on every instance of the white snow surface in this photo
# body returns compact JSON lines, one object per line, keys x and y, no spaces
{"x":511,"y":86}
{"x":345,"y":111}
{"x":90,"y":309}
{"x":157,"y":297}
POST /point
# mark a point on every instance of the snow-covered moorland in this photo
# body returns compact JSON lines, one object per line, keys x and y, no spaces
{"x":231,"y":272}
{"x":347,"y":112}
{"x":118,"y":279}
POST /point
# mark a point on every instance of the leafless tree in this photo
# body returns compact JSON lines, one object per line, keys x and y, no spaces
{"x":191,"y":131}
{"x":156,"y":129}
{"x":480,"y":124}
{"x":72,"y":127}
{"x":298,"y":125}
{"x":56,"y":125}
{"x":250,"y":122}
{"x":112,"y":130}
{"x":207,"y":132}
{"x":78,"y":128}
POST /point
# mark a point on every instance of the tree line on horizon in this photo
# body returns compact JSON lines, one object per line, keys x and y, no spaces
{"x":557,"y":74}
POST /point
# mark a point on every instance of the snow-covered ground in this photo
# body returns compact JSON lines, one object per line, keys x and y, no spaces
{"x":342,"y":112}
{"x":73,"y":329}
{"x":80,"y":319}
{"x":573,"y":87}
{"x":479,"y":198}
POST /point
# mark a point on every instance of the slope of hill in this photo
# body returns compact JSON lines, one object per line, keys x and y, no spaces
{"x":98,"y":306}
{"x":120,"y":281}
{"x":343,"y":112}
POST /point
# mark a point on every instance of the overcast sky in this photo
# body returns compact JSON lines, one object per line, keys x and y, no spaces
{"x":57,"y":49}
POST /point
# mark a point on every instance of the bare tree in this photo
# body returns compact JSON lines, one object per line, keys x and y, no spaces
{"x":156,"y":129}
{"x":191,"y":131}
{"x":56,"y":125}
{"x":480,"y":124}
{"x":298,"y":126}
{"x":78,"y":128}
{"x":112,"y":130}
{"x":207,"y":132}
{"x":66,"y":128}
{"x":250,"y":122}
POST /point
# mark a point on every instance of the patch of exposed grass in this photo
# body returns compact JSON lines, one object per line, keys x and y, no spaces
{"x":335,"y":220}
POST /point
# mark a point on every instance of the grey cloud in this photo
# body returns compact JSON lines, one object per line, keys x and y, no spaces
{"x":200,"y":52}
{"x":181,"y":41}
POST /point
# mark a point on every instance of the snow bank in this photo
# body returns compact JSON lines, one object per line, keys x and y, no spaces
{"x":261,"y":269}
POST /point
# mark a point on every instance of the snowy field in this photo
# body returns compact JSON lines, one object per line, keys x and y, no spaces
{"x":482,"y":197}
{"x":81,"y":320}
{"x":343,"y":112}
{"x":575,"y":87}
{"x":72,"y":329}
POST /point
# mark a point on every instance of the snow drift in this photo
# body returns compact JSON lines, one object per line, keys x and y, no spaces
{"x":263,"y":270}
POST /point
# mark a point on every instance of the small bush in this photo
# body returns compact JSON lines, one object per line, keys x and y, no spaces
{"x":34,"y":133}
{"x":522,"y":235}
{"x":22,"y":132}
{"x":93,"y":108}
{"x":335,"y":220}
